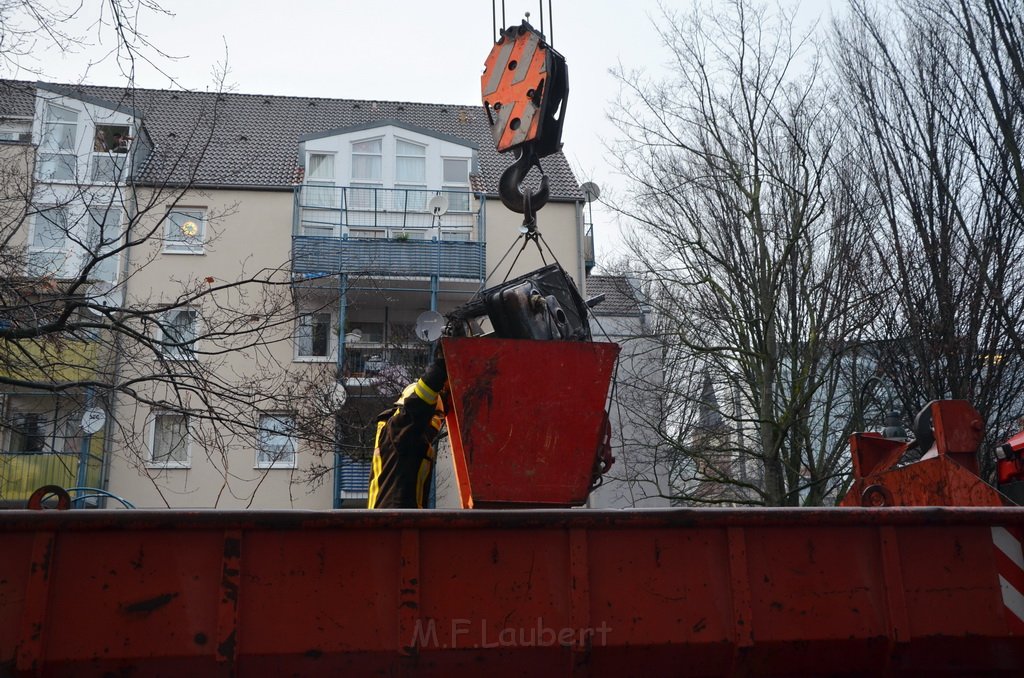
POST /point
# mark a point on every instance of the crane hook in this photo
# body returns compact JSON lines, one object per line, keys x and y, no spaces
{"x":512,"y":195}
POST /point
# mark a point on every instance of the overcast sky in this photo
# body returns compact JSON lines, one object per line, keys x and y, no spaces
{"x":395,"y":50}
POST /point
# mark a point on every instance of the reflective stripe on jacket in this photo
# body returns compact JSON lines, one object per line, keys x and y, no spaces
{"x":403,"y":454}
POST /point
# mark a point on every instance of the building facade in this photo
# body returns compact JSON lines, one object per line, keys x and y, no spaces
{"x":245,"y":273}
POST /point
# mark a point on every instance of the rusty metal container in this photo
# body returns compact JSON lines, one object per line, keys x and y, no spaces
{"x":892,"y":591}
{"x":526,"y":419}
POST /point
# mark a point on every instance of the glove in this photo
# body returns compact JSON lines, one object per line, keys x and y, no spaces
{"x":436,"y":374}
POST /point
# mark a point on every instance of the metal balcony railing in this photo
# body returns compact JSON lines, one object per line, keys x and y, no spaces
{"x":345,"y":229}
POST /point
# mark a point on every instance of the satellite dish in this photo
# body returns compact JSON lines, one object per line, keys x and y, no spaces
{"x":591,"y":191}
{"x":429,"y":326}
{"x":93,"y":420}
{"x":337,"y":397}
{"x":354,"y":337}
{"x":438,"y":205}
{"x":104,"y":295}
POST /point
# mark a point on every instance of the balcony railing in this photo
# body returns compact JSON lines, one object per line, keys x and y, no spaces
{"x":340,"y":229}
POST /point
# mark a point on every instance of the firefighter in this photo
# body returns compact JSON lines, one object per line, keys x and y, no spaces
{"x":403,"y":454}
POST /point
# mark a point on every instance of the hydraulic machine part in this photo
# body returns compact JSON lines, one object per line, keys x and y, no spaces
{"x":949,"y":433}
{"x":1010,"y":468}
{"x":542,"y":304}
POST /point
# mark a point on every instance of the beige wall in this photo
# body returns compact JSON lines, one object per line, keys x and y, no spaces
{"x":16,"y":163}
{"x":559,"y":227}
{"x":248,"y":232}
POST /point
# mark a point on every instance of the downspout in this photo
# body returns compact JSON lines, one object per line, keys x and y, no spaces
{"x":340,"y":378}
{"x":580,"y":247}
{"x":131,"y":208}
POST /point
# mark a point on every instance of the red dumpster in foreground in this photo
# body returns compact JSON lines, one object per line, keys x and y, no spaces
{"x":704,"y":592}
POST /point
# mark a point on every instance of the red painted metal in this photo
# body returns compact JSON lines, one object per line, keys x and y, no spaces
{"x":506,"y":593}
{"x":947,"y":474}
{"x":527,"y":418}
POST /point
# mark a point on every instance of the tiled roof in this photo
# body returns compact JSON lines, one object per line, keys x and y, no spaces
{"x":620,"y":295}
{"x":252,"y":140}
{"x":17,"y":99}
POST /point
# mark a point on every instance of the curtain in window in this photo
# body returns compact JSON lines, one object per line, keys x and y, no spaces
{"x":366,"y":160}
{"x":170,"y":439}
{"x":321,"y":167}
{"x":411,"y":163}
{"x":181,"y":331}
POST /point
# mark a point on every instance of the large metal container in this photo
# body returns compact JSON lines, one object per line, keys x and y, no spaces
{"x":527,"y":418}
{"x":921,"y":591}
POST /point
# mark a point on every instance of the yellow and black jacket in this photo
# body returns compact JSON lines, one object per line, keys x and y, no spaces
{"x":403,"y":454}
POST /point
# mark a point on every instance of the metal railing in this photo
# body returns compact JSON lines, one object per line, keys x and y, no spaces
{"x":21,"y":473}
{"x":345,"y":229}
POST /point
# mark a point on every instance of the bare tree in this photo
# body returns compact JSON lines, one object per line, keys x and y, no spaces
{"x":749,"y":235}
{"x":934,"y":102}
{"x":79,"y":329}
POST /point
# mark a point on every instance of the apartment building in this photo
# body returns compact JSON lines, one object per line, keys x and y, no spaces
{"x":261,"y":249}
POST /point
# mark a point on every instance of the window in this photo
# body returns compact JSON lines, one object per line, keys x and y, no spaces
{"x":57,"y":151}
{"x":104,"y":230}
{"x":320,"y":190}
{"x":48,"y":246}
{"x":59,"y":130}
{"x":321,"y":167}
{"x":169,"y":440}
{"x":110,"y":152}
{"x":51,"y":229}
{"x":366,"y":171}
{"x":411,"y":173}
{"x":34,"y":424}
{"x":27,"y":433}
{"x":366,"y":161}
{"x":313,"y":335}
{"x":455,"y":176}
{"x":180,"y":329}
{"x":276,"y":445}
{"x":57,"y":166}
{"x":185,"y":230}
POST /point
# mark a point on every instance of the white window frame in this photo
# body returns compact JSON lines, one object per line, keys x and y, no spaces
{"x":320,"y":192}
{"x":457,"y":186}
{"x":58,"y":251}
{"x":289,"y":461}
{"x":108,"y":242}
{"x":174,"y":352}
{"x":367,"y":180}
{"x":198,"y":241}
{"x":367,"y":199}
{"x":413,"y":196}
{"x":50,"y":147}
{"x":151,"y":460}
{"x":331,"y":338}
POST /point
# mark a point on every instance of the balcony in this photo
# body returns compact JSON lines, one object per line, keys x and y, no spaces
{"x":389,"y":232}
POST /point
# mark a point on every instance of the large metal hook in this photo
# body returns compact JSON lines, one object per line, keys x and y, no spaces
{"x":512,"y":195}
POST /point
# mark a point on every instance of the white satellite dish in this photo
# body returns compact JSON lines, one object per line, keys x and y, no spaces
{"x":337,"y":397}
{"x":438,"y":205}
{"x":93,"y":420}
{"x":354,"y":337}
{"x":591,"y":191}
{"x":104,"y":295}
{"x":429,"y":326}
